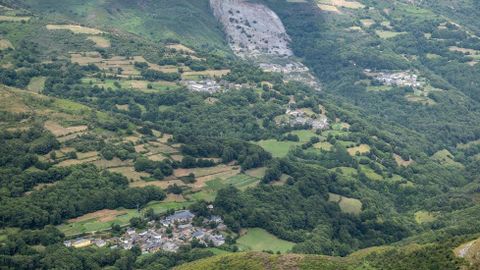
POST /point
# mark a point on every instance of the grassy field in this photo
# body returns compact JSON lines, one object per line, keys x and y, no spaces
{"x":276,"y":148}
{"x":208,"y":193}
{"x":94,"y":224}
{"x":424,"y":217}
{"x":361,"y":149}
{"x":347,"y":171}
{"x":371,"y":174}
{"x":304,"y":135}
{"x":76,"y":29}
{"x":257,"y":173}
{"x":37,"y":84}
{"x":100,"y":42}
{"x":257,"y":239}
{"x":323,"y":146}
{"x":444,"y":157}
{"x":240,"y":181}
{"x":388,"y":34}
{"x":347,"y":205}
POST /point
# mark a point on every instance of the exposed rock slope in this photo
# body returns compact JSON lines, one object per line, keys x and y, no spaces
{"x":255,"y":32}
{"x":252,"y":29}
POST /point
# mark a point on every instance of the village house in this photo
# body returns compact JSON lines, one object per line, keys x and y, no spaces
{"x":177,"y":230}
{"x":402,"y":79}
{"x":182,"y":216}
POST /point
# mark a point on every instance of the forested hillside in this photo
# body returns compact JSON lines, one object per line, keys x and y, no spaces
{"x":132,"y":137}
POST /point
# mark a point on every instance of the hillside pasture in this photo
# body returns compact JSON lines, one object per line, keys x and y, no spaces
{"x":326,"y":146}
{"x":37,"y":84}
{"x":469,"y":251}
{"x":240,"y":181}
{"x":72,"y":162}
{"x":401,"y":162}
{"x":5,"y":44}
{"x":161,"y":183}
{"x":4,"y":18}
{"x":257,"y":172}
{"x":76,"y":29}
{"x":114,"y":163}
{"x":277,"y":148}
{"x":367,"y":22}
{"x":388,"y":34}
{"x":256,"y":239}
{"x":445,"y":158}
{"x":420,"y":99}
{"x":361,"y":149}
{"x":98,"y":221}
{"x":464,"y":146}
{"x":211,"y":73}
{"x":130,"y":173}
{"x":328,"y":8}
{"x":304,"y":135}
{"x":424,"y":217}
{"x":370,"y":173}
{"x":59,"y":131}
{"x":181,"y":48}
{"x":209,"y":191}
{"x":347,"y":205}
{"x":100,"y":42}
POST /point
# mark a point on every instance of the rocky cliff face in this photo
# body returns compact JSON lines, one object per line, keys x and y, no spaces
{"x":255,"y":32}
{"x":252,"y":29}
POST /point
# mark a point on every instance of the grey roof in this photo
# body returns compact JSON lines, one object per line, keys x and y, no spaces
{"x":198,"y":234}
{"x":183,"y":214}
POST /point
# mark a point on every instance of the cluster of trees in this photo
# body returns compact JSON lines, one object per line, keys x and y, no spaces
{"x":154,"y":75}
{"x":300,"y":211}
{"x":84,"y":190}
{"x":158,"y":169}
{"x":246,"y":154}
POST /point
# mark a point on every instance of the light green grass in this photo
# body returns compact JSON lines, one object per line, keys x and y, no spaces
{"x":162,"y":207}
{"x":257,"y":239}
{"x":257,"y":172}
{"x":240,"y":181}
{"x":379,"y":88}
{"x":347,"y":205}
{"x":347,"y":171}
{"x":304,"y":135}
{"x":7,"y":231}
{"x":323,"y":146}
{"x":276,"y":148}
{"x":388,"y":34}
{"x":218,"y":251}
{"x":71,"y":107}
{"x":94,"y":225}
{"x":424,"y":217}
{"x":204,"y":195}
{"x":37,"y":84}
{"x":370,"y":173}
{"x":209,"y":192}
{"x":444,"y":157}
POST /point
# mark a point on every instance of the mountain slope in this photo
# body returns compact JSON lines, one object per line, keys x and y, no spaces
{"x":105,"y":129}
{"x":190,"y":22}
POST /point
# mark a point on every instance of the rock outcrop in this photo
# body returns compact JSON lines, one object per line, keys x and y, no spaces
{"x":252,"y":29}
{"x":255,"y":32}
